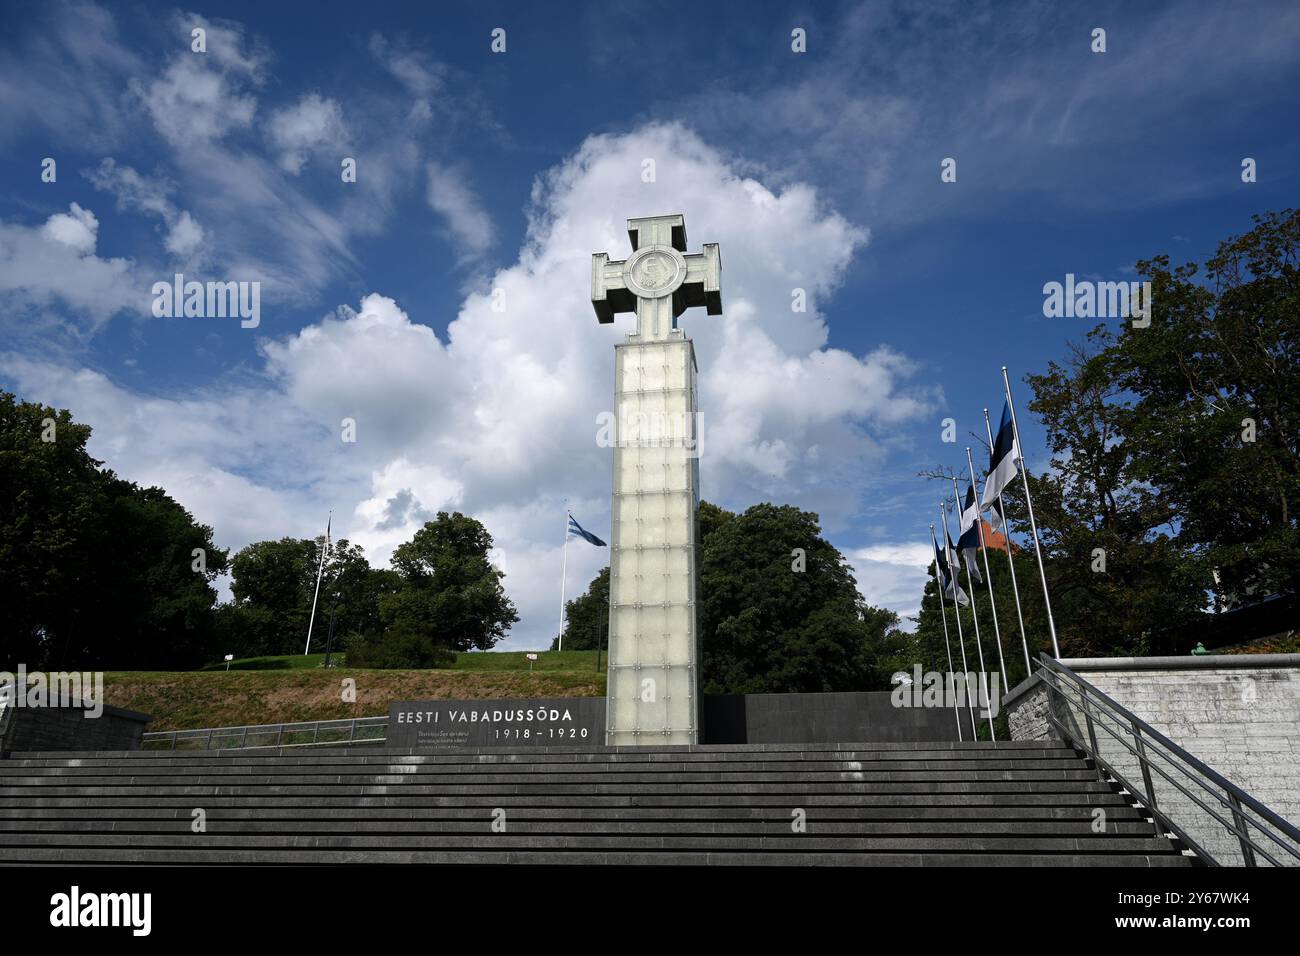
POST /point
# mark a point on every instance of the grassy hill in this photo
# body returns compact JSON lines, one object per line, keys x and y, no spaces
{"x":271,"y":690}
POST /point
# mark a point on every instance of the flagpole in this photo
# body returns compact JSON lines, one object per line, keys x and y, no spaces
{"x":965,"y":668}
{"x":975,"y":616}
{"x":564,"y":572}
{"x":319,"y":569}
{"x":943,"y":610}
{"x":1011,"y":564}
{"x":988,"y":577}
{"x":1033,"y":525}
{"x":600,"y":636}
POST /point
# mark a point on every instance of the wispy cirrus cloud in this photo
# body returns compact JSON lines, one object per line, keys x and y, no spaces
{"x":450,"y":196}
{"x":219,"y":129}
{"x":150,"y":194}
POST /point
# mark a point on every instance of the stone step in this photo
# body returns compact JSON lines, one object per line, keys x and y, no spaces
{"x":289,"y":756}
{"x":794,"y":842}
{"x":1013,"y":798}
{"x":526,"y":777}
{"x":781,"y":814}
{"x":874,"y":804}
{"x":479,"y":823}
{"x":17,"y":769}
{"x":651,"y":788}
{"x":29,"y":856}
{"x":722,"y":751}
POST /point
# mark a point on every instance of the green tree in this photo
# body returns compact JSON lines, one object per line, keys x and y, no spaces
{"x":1122,"y":582}
{"x":780,"y":610}
{"x":450,"y":598}
{"x":95,"y":571}
{"x":153,"y":580}
{"x":47,"y":512}
{"x":273,"y":583}
{"x":1215,"y":409}
{"x":1175,"y":448}
{"x":586,"y":618}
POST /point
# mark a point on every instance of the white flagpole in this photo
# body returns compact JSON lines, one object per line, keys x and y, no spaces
{"x":319,"y":568}
{"x":975,"y":616}
{"x":965,"y":668}
{"x":1033,"y":525}
{"x":1011,"y":564}
{"x":988,"y":577}
{"x":564,"y":573}
{"x":943,"y":609}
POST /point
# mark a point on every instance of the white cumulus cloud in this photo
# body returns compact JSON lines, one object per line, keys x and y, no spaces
{"x":498,"y":418}
{"x":48,"y":270}
{"x":299,"y":130}
{"x":77,"y":229}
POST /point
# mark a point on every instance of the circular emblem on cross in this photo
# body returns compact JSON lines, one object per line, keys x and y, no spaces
{"x":654,"y":271}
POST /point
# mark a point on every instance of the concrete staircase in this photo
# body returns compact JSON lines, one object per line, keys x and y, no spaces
{"x":899,"y":804}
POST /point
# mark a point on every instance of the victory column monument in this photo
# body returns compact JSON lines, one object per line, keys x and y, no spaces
{"x":654,"y":654}
{"x":526,"y":781}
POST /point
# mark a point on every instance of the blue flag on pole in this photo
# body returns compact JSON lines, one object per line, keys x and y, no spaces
{"x":947,"y":582}
{"x":997,"y":520}
{"x":578,"y":531}
{"x":1002,"y":459}
{"x":969,"y":541}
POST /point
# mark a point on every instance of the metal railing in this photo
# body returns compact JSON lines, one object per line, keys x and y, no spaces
{"x":358,"y":730}
{"x":1173,"y":782}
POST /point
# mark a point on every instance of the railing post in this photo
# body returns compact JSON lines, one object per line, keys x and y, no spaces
{"x":1247,"y":851}
{"x":243,"y":740}
{"x":279,"y":733}
{"x":352,"y":731}
{"x":1142,"y":761}
{"x":1092,"y":733}
{"x":315,"y":732}
{"x":207,"y":745}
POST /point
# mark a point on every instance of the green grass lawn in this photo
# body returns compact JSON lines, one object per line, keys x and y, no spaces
{"x":515,"y":661}
{"x":476,"y":661}
{"x":270,"y":690}
{"x":282,"y":662}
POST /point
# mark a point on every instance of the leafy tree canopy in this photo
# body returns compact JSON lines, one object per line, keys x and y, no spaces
{"x":95,"y":571}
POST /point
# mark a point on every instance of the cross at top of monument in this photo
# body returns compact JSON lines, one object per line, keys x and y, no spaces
{"x":658,"y":281}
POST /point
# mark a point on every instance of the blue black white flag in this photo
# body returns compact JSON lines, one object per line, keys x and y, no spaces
{"x":969,"y":541}
{"x":578,"y":531}
{"x":997,"y":520}
{"x":947,"y":583}
{"x":1002,"y":459}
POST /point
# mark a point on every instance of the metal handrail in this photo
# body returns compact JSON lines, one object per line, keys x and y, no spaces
{"x":1056,"y":675}
{"x":1140,"y":754}
{"x":207,"y":735}
{"x":1240,"y":825}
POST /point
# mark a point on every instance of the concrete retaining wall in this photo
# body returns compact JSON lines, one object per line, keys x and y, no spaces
{"x":1239,"y":714}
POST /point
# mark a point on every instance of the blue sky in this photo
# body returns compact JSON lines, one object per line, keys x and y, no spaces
{"x":480,"y":171}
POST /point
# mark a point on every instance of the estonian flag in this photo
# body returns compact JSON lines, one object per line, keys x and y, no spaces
{"x":997,"y":520}
{"x":969,"y":541}
{"x":1002,"y":459}
{"x":947,"y":583}
{"x":578,"y":531}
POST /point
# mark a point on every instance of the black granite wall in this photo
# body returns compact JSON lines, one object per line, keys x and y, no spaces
{"x":820,"y":718}
{"x":739,"y":719}
{"x":69,"y":728}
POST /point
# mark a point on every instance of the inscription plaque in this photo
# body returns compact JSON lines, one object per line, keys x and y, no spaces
{"x":537,"y":722}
